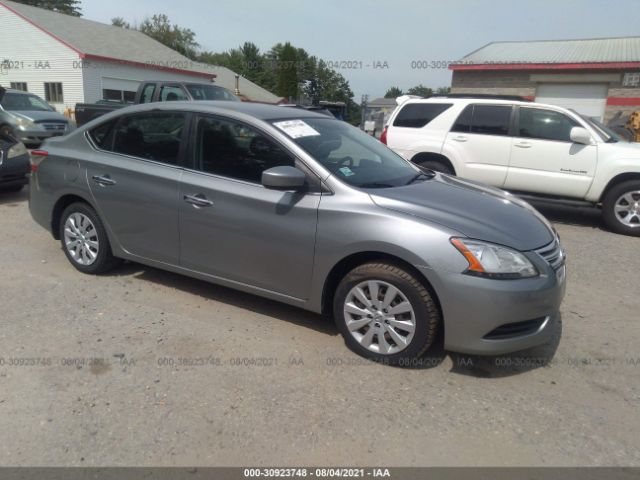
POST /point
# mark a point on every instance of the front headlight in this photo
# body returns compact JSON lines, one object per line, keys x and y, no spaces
{"x":494,"y":261}
{"x":17,"y":150}
{"x":24,"y":122}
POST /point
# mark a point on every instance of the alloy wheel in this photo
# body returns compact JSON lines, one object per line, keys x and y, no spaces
{"x":380,"y":317}
{"x":627,"y":209}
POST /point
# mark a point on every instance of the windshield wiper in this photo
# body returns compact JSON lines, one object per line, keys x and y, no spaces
{"x":376,"y":185}
{"x":421,"y":174}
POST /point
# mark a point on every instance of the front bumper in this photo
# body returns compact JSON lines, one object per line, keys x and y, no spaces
{"x":38,"y":135}
{"x":492,"y":317}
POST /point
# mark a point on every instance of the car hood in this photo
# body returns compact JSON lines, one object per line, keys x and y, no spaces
{"x":36,"y":116}
{"x":473,"y":209}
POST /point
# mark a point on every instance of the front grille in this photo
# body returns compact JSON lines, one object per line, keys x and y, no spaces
{"x":553,"y":254}
{"x":53,"y":126}
{"x":517,"y":329}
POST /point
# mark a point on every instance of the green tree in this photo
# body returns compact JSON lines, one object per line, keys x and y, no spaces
{"x":443,"y":90}
{"x":180,"y":39}
{"x":420,"y":90}
{"x":69,"y":7}
{"x":120,"y":22}
{"x":393,"y":92}
{"x":287,"y":83}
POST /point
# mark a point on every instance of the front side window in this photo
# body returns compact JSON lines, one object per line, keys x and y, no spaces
{"x":53,"y":92}
{"x":545,"y":124}
{"x":484,"y":119}
{"x":152,"y":136}
{"x":231,"y":149}
{"x":417,"y":115}
{"x":172,"y":94}
{"x":350,"y":154}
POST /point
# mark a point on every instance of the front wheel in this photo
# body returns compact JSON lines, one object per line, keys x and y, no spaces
{"x":621,"y":208}
{"x":84,"y":240}
{"x":385,"y":313}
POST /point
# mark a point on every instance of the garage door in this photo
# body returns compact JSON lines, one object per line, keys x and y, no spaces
{"x":587,"y":99}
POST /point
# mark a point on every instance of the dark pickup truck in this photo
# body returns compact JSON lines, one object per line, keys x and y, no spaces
{"x":156,"y":92}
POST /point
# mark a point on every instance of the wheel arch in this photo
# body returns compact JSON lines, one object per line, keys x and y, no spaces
{"x":622,"y":177}
{"x":348,"y":263}
{"x":63,"y":202}
{"x":432,"y":156}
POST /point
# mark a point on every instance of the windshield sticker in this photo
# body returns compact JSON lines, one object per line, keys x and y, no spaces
{"x":346,"y":171}
{"x":296,"y":128}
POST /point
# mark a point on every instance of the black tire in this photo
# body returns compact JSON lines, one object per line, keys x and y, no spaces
{"x":104,"y":261}
{"x":427,"y":315}
{"x":608,"y":208}
{"x":437,"y":166}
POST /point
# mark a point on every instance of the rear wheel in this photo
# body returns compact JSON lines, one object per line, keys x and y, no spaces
{"x":621,"y":208}
{"x":84,"y":240}
{"x":438,"y":166}
{"x":385,"y":313}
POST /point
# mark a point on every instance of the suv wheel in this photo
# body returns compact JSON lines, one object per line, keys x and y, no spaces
{"x":437,"y":166}
{"x":385,"y":313}
{"x":621,"y":208}
{"x":84,"y":240}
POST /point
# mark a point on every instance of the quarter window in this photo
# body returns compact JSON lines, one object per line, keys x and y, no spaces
{"x":53,"y":92}
{"x":101,"y":135}
{"x":234,"y":150}
{"x":545,"y":124}
{"x":484,"y":119}
{"x":152,"y":136}
{"x":417,"y":115}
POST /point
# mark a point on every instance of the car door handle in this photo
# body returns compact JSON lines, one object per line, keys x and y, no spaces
{"x":460,"y":138}
{"x":522,"y":145}
{"x":198,"y":200}
{"x":104,"y":180}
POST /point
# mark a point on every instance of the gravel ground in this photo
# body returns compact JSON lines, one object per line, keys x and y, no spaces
{"x":143,"y":367}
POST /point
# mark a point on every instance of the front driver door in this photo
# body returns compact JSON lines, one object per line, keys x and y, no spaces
{"x":234,"y":228}
{"x":545,"y":160}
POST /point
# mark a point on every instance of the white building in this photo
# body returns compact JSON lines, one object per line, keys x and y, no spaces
{"x":68,"y":60}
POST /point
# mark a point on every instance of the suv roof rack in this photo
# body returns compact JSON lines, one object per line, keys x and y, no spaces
{"x":483,"y":96}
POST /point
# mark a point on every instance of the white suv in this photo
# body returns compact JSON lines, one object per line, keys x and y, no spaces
{"x":525,"y":147}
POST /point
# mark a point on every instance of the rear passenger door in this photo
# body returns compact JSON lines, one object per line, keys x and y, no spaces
{"x":231,"y":226}
{"x":480,"y":140}
{"x":134,"y":178}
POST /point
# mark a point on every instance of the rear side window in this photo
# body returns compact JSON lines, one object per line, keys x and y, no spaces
{"x":417,"y":115}
{"x":484,"y":119}
{"x":545,"y":125}
{"x":152,"y":136}
{"x":101,"y":135}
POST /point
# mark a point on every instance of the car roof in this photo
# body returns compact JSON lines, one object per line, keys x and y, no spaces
{"x":258,"y":110}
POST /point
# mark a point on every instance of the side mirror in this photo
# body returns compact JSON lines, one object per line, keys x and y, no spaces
{"x":580,"y":135}
{"x":283,"y":178}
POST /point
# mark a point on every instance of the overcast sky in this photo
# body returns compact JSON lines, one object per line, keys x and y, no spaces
{"x":369,"y":33}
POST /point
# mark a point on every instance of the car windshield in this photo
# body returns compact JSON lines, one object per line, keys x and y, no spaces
{"x":24,"y":102}
{"x":211,"y":92}
{"x":605,"y":132}
{"x":350,"y":154}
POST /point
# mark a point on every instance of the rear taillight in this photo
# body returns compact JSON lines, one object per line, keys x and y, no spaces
{"x":383,"y":135}
{"x":37,"y":156}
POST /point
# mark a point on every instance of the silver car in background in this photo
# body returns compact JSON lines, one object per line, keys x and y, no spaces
{"x":29,"y":118}
{"x":301,"y":208}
